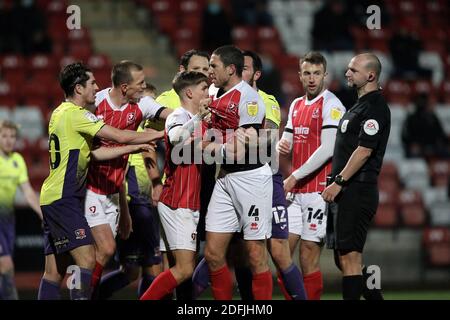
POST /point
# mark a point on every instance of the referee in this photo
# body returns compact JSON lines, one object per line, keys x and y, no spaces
{"x":361,"y":141}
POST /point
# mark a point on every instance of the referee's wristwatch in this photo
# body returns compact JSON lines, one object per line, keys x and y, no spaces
{"x":339,"y":180}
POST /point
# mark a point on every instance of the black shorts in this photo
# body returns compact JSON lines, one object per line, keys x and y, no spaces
{"x":351,"y":213}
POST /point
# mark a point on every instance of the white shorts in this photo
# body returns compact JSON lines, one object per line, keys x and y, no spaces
{"x":306,"y":216}
{"x":102,"y":209}
{"x":242,"y":201}
{"x":180,"y":227}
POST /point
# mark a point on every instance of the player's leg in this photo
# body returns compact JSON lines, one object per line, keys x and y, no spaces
{"x":102,"y":215}
{"x":84,"y":257}
{"x":8,"y":289}
{"x":54,"y":272}
{"x":312,"y":237}
{"x":149,"y":274}
{"x":252,"y":196}
{"x":221,"y":224}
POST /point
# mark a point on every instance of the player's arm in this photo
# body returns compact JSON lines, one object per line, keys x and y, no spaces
{"x":105,"y":153}
{"x":127,"y":136}
{"x":150,"y":161}
{"x":31,"y":198}
{"x":125,"y":223}
{"x":284,"y":146}
{"x":316,"y":160}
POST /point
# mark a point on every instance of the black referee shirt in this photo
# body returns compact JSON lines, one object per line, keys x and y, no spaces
{"x":366,"y":124}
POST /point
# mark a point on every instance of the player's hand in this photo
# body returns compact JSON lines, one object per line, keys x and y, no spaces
{"x":284,"y":147}
{"x":156,"y":193}
{"x":125,"y":225}
{"x":330,"y":192}
{"x":138,"y":148}
{"x":153,"y":136}
{"x":289,"y":183}
{"x":204,"y":110}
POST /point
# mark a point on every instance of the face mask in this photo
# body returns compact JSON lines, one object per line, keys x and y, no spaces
{"x":214,"y":8}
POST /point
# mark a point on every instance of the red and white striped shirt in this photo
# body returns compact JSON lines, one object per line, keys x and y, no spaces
{"x":306,"y":120}
{"x":183,"y":181}
{"x":106,"y":177}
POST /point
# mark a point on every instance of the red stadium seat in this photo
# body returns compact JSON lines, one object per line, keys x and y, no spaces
{"x":187,"y":35}
{"x":398,"y":92}
{"x":386,"y":216}
{"x":436,"y":242}
{"x":191,"y":7}
{"x":413,"y":215}
{"x":103,"y":79}
{"x":12,"y":63}
{"x":445,"y":91}
{"x":163,"y":7}
{"x":167,"y":23}
{"x":8,"y":95}
{"x":244,"y":37}
{"x":42,"y":67}
{"x":81,"y":50}
{"x":440,"y":172}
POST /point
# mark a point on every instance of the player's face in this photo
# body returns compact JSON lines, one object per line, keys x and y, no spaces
{"x":199,"y":64}
{"x":248,"y":74}
{"x":218,"y":73}
{"x":312,"y":78}
{"x":135,"y":89}
{"x":199,"y":92}
{"x":356,"y":75}
{"x":89,"y":91}
{"x":7,"y":139}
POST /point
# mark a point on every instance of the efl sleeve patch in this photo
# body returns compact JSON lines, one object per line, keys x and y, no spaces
{"x":371,"y":127}
{"x":252,"y":108}
{"x":91,"y":117}
{"x":336,"y":114}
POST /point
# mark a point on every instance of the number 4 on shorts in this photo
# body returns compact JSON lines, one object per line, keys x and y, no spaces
{"x":253,"y":212}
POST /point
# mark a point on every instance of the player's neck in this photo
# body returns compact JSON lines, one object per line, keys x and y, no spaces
{"x":4,"y":154}
{"x":312,"y":97}
{"x":190,"y":107}
{"x":231,"y":83}
{"x":117,"y":98}
{"x":77,"y":100}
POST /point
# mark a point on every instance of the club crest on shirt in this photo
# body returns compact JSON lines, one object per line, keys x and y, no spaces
{"x":252,"y":108}
{"x":315,"y":113}
{"x":131,"y":117}
{"x":232,"y":107}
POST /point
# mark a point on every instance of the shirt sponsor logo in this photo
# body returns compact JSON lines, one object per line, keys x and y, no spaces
{"x":302,"y":131}
{"x":80,"y":234}
{"x":91,"y":117}
{"x":336,"y":114}
{"x":371,"y":127}
{"x":252,"y":108}
{"x":344,"y":126}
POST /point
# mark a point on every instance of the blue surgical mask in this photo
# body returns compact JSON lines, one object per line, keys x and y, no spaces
{"x":214,"y":8}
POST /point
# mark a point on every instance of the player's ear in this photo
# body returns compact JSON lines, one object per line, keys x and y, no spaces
{"x":123,"y":88}
{"x":257,"y":75}
{"x":188,"y":93}
{"x":231,"y":69}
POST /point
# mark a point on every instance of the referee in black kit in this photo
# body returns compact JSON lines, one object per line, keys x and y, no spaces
{"x":361,"y":141}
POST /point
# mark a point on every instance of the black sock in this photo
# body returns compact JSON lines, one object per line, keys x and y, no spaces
{"x":184,"y":291}
{"x":352,"y":287}
{"x":370,"y":294}
{"x":244,"y":279}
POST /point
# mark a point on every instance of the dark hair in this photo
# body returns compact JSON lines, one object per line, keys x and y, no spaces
{"x":121,"y":72}
{"x":257,"y":63}
{"x":71,"y":75}
{"x":186,"y":57}
{"x":315,"y":57}
{"x":231,"y":55}
{"x":150,"y":87}
{"x":186,"y":79}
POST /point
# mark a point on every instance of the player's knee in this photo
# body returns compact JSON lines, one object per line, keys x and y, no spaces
{"x":6,"y":264}
{"x":214,"y":258}
{"x":257,"y":259}
{"x":185,"y":271}
{"x":309,"y":257}
{"x":281,"y":255}
{"x":106,"y":250}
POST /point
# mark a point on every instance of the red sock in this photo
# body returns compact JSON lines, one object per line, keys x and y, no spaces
{"x":313,"y":285}
{"x":96,"y":276}
{"x":160,"y":287}
{"x":286,"y":295}
{"x":262,"y":286}
{"x":221,"y":283}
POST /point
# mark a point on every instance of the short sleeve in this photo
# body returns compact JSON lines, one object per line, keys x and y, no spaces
{"x":272,"y":109}
{"x":150,"y":108}
{"x":373,"y":125}
{"x":333,"y":110}
{"x":175,"y":120}
{"x":23,"y":173}
{"x":251,"y":110}
{"x":84,"y":121}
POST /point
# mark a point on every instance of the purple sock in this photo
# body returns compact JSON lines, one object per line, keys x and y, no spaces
{"x":49,"y":290}
{"x":200,"y":279}
{"x":84,"y":292}
{"x":144,"y":283}
{"x":293,"y":282}
{"x":112,"y":282}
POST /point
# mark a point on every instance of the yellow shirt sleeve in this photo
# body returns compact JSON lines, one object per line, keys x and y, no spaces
{"x":84,"y":121}
{"x":23,"y":174}
{"x":272,"y":107}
